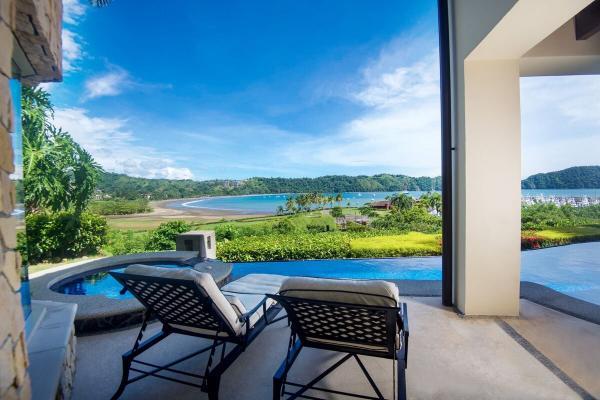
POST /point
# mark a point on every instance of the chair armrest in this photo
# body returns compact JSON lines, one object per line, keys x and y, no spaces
{"x":246,"y":316}
{"x":404,"y":317}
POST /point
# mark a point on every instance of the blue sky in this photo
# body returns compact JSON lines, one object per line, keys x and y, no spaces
{"x":203,"y":90}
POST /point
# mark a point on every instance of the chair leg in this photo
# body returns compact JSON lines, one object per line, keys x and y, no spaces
{"x":401,"y":371}
{"x":212,"y":387}
{"x":277,"y":385}
{"x":124,"y":378}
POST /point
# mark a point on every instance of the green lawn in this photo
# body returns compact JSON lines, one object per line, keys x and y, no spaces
{"x":410,"y":244}
{"x":147,"y":222}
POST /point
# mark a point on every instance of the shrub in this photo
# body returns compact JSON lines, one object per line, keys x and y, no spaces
{"x":316,"y":228}
{"x":356,"y":227}
{"x":409,"y":219}
{"x":226,"y":232}
{"x":312,"y":223}
{"x":163,"y":237}
{"x":531,"y":240}
{"x":125,"y":242}
{"x":119,"y":207}
{"x":54,"y":236}
{"x":285,"y":247}
{"x":283,"y":226}
{"x":337,"y":212}
{"x":231,"y":231}
{"x":541,"y":216}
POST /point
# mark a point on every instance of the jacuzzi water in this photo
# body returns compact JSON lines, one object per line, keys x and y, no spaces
{"x":573,"y":270}
{"x":101,"y":283}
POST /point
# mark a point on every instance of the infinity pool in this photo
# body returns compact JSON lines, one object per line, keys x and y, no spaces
{"x":573,"y":270}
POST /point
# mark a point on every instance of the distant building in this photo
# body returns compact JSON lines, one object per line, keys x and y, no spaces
{"x":382,"y":204}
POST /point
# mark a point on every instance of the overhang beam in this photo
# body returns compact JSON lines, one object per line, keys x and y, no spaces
{"x":587,"y":22}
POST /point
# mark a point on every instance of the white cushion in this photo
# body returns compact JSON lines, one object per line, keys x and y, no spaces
{"x":237,"y":304}
{"x":205,"y":282}
{"x":360,"y":292}
{"x":256,"y":284}
{"x":250,"y":290}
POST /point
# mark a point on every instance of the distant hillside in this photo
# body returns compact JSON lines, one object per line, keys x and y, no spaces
{"x":126,"y":187}
{"x":570,"y":178}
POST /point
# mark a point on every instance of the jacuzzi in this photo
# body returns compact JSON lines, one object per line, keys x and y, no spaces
{"x":100,"y":303}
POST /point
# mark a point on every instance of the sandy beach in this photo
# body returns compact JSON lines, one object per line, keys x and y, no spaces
{"x":174,"y":209}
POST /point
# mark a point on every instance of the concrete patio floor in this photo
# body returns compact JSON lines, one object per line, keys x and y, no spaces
{"x":542,"y":355}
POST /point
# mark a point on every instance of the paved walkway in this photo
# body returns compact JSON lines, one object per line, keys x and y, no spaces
{"x":542,"y":355}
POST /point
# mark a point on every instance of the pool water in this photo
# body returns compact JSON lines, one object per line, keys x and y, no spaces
{"x":414,"y":268}
{"x":573,"y":270}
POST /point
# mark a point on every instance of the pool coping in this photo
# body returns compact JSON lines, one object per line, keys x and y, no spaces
{"x":562,"y":302}
{"x":531,"y":291}
{"x":97,"y":312}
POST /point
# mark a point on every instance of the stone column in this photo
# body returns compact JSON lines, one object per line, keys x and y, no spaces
{"x":14,"y":381}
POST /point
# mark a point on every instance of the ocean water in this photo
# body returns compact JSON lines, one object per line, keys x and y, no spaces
{"x":268,"y":203}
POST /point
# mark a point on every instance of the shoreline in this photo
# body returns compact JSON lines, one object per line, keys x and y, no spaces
{"x":166,"y":209}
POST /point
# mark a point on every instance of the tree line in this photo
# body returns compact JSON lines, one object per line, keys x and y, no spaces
{"x":126,"y":187}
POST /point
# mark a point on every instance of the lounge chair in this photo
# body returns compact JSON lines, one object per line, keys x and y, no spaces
{"x":188,"y":302}
{"x":355,"y":317}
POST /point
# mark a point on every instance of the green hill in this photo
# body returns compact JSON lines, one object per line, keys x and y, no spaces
{"x":126,"y":187}
{"x":570,"y":178}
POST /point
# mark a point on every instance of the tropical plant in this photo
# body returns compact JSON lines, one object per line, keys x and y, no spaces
{"x":432,"y":200}
{"x":401,"y":201}
{"x":54,"y":236}
{"x":290,"y":204}
{"x":337,"y":212}
{"x":163,"y":237}
{"x":58,"y":174}
{"x":367,"y":211}
{"x":415,"y":219}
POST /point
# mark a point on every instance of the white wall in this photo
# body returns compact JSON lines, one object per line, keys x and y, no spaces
{"x":488,"y":40}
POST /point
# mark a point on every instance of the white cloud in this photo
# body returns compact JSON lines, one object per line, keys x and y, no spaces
{"x":111,"y":83}
{"x":72,"y":44}
{"x":72,"y":50}
{"x":73,"y":11}
{"x":401,"y":85}
{"x":399,"y":131}
{"x":560,"y":124}
{"x":114,"y":146}
{"x":114,"y":82}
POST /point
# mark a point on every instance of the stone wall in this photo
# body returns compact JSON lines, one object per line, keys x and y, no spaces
{"x":14,"y":381}
{"x":36,"y":26}
{"x":65,"y":386}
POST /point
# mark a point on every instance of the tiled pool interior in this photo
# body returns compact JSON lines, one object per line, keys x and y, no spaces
{"x":573,"y":270}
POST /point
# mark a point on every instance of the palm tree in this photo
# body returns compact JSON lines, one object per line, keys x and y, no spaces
{"x":401,"y":201}
{"x":290,"y":204}
{"x":301,"y":201}
{"x":280,"y":210}
{"x":330,"y":201}
{"x":339,"y":198}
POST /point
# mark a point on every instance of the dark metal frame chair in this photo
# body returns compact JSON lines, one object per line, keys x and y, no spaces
{"x":347,"y":328}
{"x":181,"y":302}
